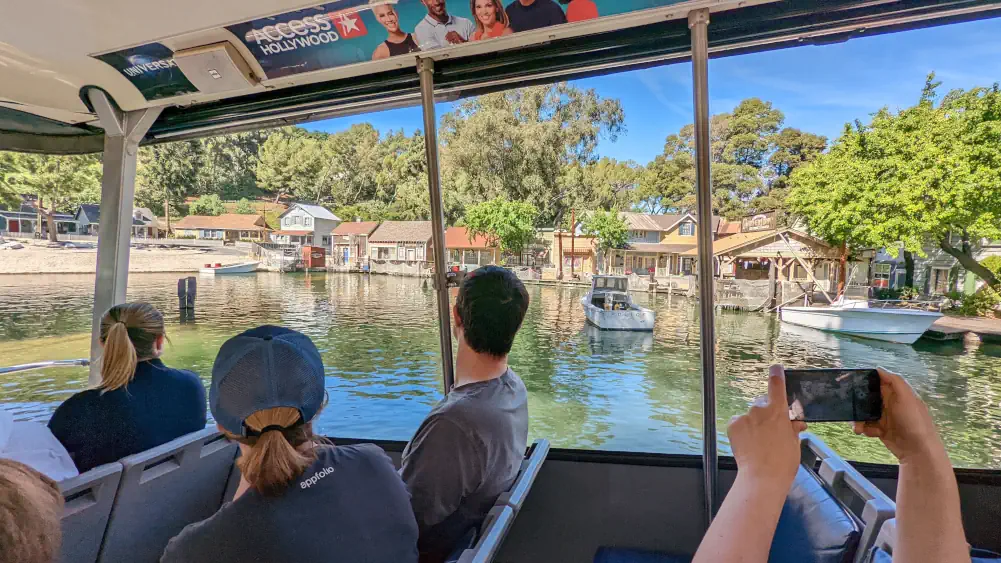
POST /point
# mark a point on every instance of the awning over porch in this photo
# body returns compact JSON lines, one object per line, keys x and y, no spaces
{"x":656,"y":248}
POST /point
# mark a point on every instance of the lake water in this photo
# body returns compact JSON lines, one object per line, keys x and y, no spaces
{"x":591,"y":390}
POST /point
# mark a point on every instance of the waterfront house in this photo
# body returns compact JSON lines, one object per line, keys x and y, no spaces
{"x":658,"y":245}
{"x":306,"y":224}
{"x":227,"y":227}
{"x":23,"y":221}
{"x":87,"y":221}
{"x":402,"y":241}
{"x":936,"y":272}
{"x":350,"y":242}
{"x":469,"y":253}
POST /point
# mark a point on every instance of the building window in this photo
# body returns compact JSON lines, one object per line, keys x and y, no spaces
{"x":687,"y":229}
{"x":686,"y":265}
{"x":420,"y":253}
{"x":308,"y":221}
{"x":326,"y":241}
{"x":383,"y":253}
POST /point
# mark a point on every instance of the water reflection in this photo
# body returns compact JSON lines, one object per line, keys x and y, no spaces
{"x":587,"y":389}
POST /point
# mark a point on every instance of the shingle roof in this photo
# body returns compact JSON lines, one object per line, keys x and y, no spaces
{"x":316,"y":211}
{"x":229,"y":221}
{"x":402,"y":231}
{"x":457,"y":238}
{"x":356,"y":228}
{"x":648,"y":222}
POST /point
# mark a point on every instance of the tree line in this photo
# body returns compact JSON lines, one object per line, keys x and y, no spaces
{"x":924,"y":174}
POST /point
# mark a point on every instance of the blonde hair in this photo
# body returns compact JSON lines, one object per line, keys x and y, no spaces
{"x":274,"y":459}
{"x":30,"y":510}
{"x":129,"y":333}
{"x":501,"y":15}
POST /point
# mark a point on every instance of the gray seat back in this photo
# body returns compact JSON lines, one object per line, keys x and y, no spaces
{"x":865,"y":500}
{"x":495,"y":528}
{"x":89,"y":498}
{"x":515,"y":497}
{"x":162,"y":491}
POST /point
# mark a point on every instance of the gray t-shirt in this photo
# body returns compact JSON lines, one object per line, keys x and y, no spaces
{"x":349,"y":506}
{"x":465,"y":454}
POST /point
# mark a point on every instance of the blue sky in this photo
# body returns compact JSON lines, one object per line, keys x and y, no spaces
{"x":818,"y":88}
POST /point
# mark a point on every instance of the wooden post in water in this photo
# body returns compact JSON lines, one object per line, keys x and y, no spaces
{"x":187,"y":290}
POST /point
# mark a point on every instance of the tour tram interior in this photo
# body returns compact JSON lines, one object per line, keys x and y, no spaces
{"x":110,"y":77}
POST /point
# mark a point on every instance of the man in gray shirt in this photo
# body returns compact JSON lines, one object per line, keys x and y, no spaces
{"x":469,"y":449}
{"x":439,"y":29}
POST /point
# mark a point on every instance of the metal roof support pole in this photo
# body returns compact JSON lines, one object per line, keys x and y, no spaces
{"x":698,"y":22}
{"x":122,"y":133}
{"x":426,"y":69}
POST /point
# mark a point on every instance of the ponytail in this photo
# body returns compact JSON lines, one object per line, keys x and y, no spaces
{"x":129,"y":334}
{"x":118,"y":362}
{"x":273,"y":460}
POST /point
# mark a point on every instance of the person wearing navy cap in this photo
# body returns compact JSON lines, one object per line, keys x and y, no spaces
{"x":300,"y":498}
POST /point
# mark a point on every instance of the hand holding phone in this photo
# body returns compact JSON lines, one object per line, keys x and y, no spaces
{"x":834,"y":395}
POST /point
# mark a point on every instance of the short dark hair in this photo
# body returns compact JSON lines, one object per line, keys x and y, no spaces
{"x":492,"y":303}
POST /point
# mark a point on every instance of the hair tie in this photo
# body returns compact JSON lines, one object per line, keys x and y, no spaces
{"x":251,"y":433}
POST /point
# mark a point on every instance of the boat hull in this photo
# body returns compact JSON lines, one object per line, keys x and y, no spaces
{"x":632,"y":320}
{"x":888,"y":325}
{"x":247,"y":268}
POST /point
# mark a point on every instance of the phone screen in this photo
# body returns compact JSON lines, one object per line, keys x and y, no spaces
{"x":834,"y":395}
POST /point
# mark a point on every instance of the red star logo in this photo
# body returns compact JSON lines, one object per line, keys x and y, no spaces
{"x":349,"y":25}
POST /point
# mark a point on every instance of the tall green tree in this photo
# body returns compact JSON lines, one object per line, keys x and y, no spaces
{"x":509,"y":225}
{"x":530,"y":144}
{"x":288,"y":164}
{"x":229,"y":167}
{"x":209,"y":205}
{"x":614,"y":183}
{"x":751,"y":159}
{"x":167,"y":173}
{"x":57,"y":181}
{"x":609,"y":230}
{"x":930,"y":173}
{"x":8,"y":192}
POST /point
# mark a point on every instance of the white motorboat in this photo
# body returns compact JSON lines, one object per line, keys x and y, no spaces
{"x":858,"y":318}
{"x":219,"y":269}
{"x":608,"y":306}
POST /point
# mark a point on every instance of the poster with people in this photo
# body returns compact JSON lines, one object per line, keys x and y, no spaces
{"x":349,"y":32}
{"x":354,"y":31}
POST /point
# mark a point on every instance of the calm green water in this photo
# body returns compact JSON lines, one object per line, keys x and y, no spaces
{"x":379,"y":339}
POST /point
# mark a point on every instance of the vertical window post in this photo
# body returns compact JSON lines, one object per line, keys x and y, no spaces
{"x":122,"y":133}
{"x":698,"y":22}
{"x":426,"y":69}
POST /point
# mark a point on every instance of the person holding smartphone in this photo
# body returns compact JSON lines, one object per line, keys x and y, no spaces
{"x":765,"y":443}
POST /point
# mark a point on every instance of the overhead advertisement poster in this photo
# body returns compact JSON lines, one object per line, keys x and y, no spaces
{"x":355,"y":31}
{"x":152,"y":70}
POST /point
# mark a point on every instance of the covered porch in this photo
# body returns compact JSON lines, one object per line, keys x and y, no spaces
{"x":659,"y":260}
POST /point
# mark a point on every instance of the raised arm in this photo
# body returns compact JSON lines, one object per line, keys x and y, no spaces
{"x":766,"y":445}
{"x":929,"y":521}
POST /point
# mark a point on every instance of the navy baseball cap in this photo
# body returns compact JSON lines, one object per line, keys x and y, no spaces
{"x":264,"y":368}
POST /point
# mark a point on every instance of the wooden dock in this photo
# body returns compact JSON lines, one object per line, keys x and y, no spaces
{"x":949,"y":329}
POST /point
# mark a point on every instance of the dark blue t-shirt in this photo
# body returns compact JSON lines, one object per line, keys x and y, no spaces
{"x":349,"y":506}
{"x":539,"y":14}
{"x":157,"y":406}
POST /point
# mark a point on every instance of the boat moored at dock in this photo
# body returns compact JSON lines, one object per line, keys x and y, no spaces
{"x":608,"y":306}
{"x":858,"y":318}
{"x":220,"y":270}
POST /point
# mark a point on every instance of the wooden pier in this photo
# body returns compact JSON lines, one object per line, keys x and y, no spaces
{"x":948,"y":329}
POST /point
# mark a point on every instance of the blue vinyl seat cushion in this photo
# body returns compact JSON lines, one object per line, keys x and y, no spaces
{"x":978,"y":556}
{"x":813,"y":528}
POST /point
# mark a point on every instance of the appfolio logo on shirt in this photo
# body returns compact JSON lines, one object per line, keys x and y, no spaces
{"x":316,"y":478}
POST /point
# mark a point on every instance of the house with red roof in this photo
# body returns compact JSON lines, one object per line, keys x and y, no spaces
{"x":349,"y":243}
{"x":469,"y":252}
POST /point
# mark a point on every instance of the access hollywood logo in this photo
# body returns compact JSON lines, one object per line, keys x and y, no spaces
{"x":316,"y":478}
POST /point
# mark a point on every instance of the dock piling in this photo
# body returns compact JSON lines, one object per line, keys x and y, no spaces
{"x":187,"y":291}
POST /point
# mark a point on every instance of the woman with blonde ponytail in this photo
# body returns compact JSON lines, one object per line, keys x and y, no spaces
{"x":139,"y":404}
{"x":300,"y":498}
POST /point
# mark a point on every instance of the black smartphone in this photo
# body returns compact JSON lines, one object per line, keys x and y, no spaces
{"x":834,"y":395}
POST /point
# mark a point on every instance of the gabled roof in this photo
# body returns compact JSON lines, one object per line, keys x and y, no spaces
{"x":648,"y":222}
{"x":227,"y":222}
{"x":356,"y":228}
{"x":92,"y":211}
{"x":315,"y":211}
{"x":457,"y":238}
{"x":402,"y":231}
{"x":739,"y":241}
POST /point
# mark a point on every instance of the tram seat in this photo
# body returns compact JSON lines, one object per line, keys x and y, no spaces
{"x":233,"y":481}
{"x":882,"y":552}
{"x":832,"y":515}
{"x":494,"y":530}
{"x":163,"y":490}
{"x":493,"y":525}
{"x":88,"y":501}
{"x":515,"y":496}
